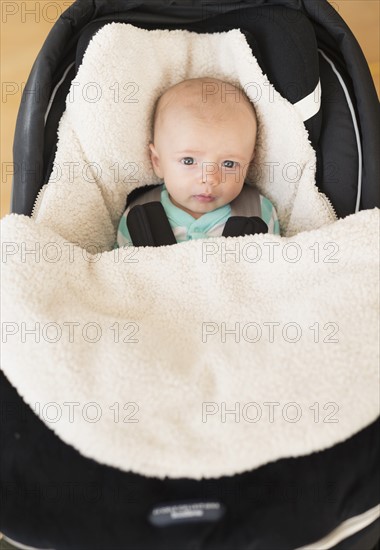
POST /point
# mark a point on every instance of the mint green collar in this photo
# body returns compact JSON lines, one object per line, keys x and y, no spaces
{"x":196,"y":228}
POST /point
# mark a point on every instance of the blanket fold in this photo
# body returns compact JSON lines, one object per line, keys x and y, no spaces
{"x":211,"y":361}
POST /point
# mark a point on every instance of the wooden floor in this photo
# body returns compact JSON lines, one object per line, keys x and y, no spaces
{"x":25,"y":25}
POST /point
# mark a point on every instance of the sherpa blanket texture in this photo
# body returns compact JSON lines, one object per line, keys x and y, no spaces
{"x":206,"y":358}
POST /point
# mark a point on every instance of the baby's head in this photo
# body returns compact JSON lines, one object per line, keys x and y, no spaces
{"x":204,"y":135}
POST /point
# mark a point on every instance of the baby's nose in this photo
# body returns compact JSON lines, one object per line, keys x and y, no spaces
{"x":210,"y":173}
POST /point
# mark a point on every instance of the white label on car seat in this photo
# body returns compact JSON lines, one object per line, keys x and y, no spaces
{"x":186,"y":512}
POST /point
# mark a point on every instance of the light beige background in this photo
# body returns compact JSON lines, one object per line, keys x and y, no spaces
{"x":25,"y":25}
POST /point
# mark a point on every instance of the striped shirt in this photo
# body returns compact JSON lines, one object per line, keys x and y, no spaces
{"x":186,"y":228}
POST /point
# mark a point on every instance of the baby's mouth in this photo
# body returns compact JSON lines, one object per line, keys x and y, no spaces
{"x":204,"y":198}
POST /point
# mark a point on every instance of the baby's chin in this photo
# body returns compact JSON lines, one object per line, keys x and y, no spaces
{"x":197,"y":209}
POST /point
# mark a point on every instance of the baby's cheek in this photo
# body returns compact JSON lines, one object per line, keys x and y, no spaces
{"x":234,"y":178}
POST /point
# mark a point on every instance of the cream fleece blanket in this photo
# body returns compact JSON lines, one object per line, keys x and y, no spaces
{"x":206,"y":358}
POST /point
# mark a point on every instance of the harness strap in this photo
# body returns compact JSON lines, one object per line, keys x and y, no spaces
{"x":148,"y":225}
{"x":247,"y":203}
{"x":152,"y":195}
{"x":238,"y":226}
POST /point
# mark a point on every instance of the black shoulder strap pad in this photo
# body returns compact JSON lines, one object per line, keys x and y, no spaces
{"x":238,"y":226}
{"x":148,"y":225}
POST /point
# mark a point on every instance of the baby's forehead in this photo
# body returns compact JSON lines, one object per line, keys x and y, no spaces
{"x":205,"y":100}
{"x":204,"y":94}
{"x":199,"y":101}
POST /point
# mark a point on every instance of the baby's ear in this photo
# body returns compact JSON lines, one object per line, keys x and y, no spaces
{"x":155,"y":160}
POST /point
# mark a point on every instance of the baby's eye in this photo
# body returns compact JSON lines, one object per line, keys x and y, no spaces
{"x":185,"y":159}
{"x":230,"y":163}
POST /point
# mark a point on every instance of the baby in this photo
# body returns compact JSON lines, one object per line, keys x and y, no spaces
{"x":202,"y":146}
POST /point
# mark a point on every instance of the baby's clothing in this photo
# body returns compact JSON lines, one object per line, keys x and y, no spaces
{"x":210,"y":224}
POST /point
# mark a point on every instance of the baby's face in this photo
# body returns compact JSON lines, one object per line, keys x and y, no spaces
{"x":203,"y":164}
